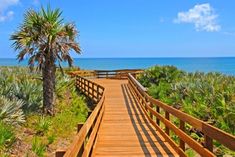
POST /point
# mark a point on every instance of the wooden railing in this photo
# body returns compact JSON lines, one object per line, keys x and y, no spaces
{"x":83,"y":73}
{"x":160,"y":114}
{"x":86,"y":136}
{"x":89,"y":88}
{"x":116,"y":74}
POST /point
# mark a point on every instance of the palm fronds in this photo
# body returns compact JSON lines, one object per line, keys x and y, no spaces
{"x":11,"y":112}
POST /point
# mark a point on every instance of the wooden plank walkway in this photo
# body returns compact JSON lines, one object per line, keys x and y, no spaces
{"x":124,"y":130}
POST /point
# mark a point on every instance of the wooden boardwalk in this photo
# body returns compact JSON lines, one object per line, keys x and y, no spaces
{"x":124,"y":129}
{"x":128,"y":122}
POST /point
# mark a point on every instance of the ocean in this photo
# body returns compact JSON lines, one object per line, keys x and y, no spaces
{"x":224,"y":65}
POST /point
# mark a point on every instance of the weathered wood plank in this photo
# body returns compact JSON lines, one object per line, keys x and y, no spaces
{"x":125,"y":129}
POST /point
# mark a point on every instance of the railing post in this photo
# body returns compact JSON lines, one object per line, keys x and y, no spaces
{"x":158,"y":111}
{"x":145,"y":103}
{"x":208,"y":143}
{"x":59,"y":153}
{"x":89,"y":92}
{"x":83,"y":85}
{"x":88,"y":83}
{"x":87,"y":87}
{"x":182,"y":127}
{"x":167,"y":116}
{"x":79,"y":126}
{"x":98,"y":93}
{"x":150,"y":113}
{"x":77,"y":82}
{"x":93,"y":90}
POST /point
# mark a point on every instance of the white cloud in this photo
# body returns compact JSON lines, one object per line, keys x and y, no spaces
{"x":202,"y":16}
{"x":36,"y":2}
{"x":8,"y":15}
{"x":4,"y":6}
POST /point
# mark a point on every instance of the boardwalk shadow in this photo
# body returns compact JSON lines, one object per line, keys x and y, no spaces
{"x":147,"y":136}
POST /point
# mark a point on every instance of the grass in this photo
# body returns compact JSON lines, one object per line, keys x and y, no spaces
{"x":70,"y":109}
{"x":38,"y":147}
{"x":49,"y":131}
{"x":42,"y":125}
{"x":43,"y":134}
{"x":191,"y":153}
{"x":7,"y":136}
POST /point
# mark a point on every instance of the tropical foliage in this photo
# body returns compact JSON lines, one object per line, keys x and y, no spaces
{"x":10,"y":111}
{"x":47,"y":40}
{"x":6,"y":136}
{"x":207,"y":96}
{"x":21,"y":107}
{"x":21,"y":84}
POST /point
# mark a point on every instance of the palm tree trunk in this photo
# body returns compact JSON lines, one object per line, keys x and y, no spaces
{"x":48,"y":73}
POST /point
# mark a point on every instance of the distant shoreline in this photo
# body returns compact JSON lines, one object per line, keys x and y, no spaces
{"x":225,"y":65}
{"x":141,"y":57}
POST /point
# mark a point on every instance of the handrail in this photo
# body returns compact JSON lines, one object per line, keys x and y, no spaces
{"x":153,"y":109}
{"x":83,"y":73}
{"x":85,"y":138}
{"x":116,"y":74}
{"x":89,"y":88}
{"x":139,"y":86}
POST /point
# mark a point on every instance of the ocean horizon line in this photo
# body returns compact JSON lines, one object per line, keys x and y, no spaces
{"x":225,"y":65}
{"x":138,"y":57}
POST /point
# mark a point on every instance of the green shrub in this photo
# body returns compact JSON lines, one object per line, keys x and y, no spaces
{"x":30,"y":91}
{"x":160,"y":74}
{"x":71,"y":109}
{"x":51,"y":139}
{"x":10,"y":111}
{"x":42,"y":125}
{"x":19,"y":83}
{"x":6,"y":136}
{"x":207,"y":96}
{"x":21,"y":98}
{"x":191,"y":153}
{"x":38,"y":147}
{"x":63,"y":83}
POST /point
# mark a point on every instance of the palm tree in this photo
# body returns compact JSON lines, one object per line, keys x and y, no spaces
{"x":46,"y":40}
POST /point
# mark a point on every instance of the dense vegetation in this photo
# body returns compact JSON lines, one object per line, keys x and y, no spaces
{"x":207,"y":96}
{"x":24,"y":130}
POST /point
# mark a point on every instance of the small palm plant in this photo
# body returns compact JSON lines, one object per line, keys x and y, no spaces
{"x":11,"y":112}
{"x":47,"y":40}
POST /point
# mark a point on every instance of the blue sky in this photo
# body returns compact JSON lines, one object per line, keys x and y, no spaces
{"x":136,"y":28}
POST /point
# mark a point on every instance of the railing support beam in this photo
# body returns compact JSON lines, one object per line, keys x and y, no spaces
{"x":167,"y":116}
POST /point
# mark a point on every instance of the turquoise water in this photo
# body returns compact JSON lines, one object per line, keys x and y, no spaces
{"x":223,"y":65}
